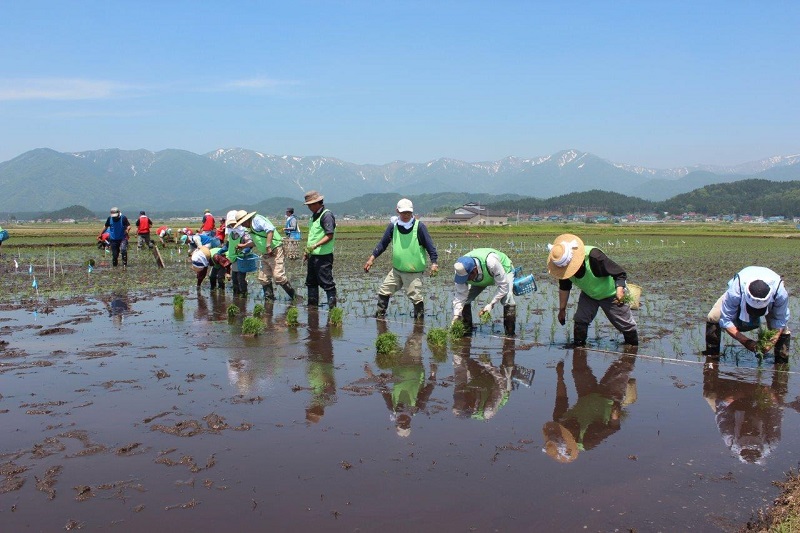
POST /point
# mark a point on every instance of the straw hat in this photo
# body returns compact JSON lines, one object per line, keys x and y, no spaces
{"x":566,"y":256}
{"x":559,"y":443}
{"x":313,"y":197}
{"x":242,"y":219}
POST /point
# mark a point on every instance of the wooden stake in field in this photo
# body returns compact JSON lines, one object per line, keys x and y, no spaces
{"x":157,"y":255}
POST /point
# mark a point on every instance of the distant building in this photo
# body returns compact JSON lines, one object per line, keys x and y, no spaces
{"x":476,"y":215}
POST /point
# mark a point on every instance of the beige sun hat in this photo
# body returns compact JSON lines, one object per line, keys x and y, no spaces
{"x":559,"y":443}
{"x":313,"y":197}
{"x":566,"y":256}
{"x":247,"y":216}
{"x":230,"y":218}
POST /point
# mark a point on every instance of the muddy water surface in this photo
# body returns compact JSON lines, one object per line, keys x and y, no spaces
{"x":123,"y":413}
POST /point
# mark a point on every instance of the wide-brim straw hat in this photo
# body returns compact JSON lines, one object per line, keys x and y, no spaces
{"x":247,"y":216}
{"x":313,"y":197}
{"x":559,"y":443}
{"x":565,"y":245}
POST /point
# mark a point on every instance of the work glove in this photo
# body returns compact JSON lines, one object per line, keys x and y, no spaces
{"x":487,"y":309}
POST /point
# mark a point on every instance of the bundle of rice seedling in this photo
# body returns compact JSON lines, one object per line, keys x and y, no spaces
{"x":633,"y":296}
{"x":765,"y":336}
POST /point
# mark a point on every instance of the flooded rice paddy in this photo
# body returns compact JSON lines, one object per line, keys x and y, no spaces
{"x":119,"y":411}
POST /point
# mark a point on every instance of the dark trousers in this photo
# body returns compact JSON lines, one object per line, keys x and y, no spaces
{"x":320,"y":273}
{"x":117,"y":246}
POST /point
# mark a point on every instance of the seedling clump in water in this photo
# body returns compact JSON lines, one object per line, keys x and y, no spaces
{"x":177,"y":302}
{"x":258,"y":310}
{"x":233,"y":310}
{"x":437,"y":337}
{"x":458,"y":329}
{"x":335,"y":316}
{"x":291,"y":317}
{"x":252,"y":326}
{"x":386,"y":343}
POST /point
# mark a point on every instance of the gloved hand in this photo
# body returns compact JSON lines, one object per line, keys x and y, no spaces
{"x":455,"y":319}
{"x":750,"y":344}
{"x":487,"y":309}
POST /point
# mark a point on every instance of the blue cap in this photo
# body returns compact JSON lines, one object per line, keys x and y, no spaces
{"x":463,"y":266}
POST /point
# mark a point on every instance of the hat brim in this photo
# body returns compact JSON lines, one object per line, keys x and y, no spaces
{"x":245,"y":218}
{"x":461,"y":279}
{"x":578,"y":256}
{"x":559,"y":444}
{"x":314,"y":200}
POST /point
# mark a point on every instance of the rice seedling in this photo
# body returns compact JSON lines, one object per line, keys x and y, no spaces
{"x":233,"y":310}
{"x":259,"y":310}
{"x":387,"y":343}
{"x":458,"y":329}
{"x":437,"y":337}
{"x":177,"y":302}
{"x":291,"y":317}
{"x":336,"y":316}
{"x":252,"y":326}
{"x":764,"y":340}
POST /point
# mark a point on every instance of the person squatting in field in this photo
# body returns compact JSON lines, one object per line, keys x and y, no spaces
{"x":269,"y":243}
{"x":481,"y":268}
{"x":117,"y":226}
{"x":602,"y":283}
{"x":410,"y":240}
{"x":752,"y":293}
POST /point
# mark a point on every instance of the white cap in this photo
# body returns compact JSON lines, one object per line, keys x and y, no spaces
{"x":405,"y":206}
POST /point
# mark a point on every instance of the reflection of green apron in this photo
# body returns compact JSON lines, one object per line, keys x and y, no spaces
{"x":408,"y":380}
{"x":591,"y":408}
{"x":320,"y":378}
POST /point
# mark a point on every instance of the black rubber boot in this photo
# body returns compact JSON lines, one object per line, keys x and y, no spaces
{"x":313,"y":296}
{"x":269,"y":292}
{"x":383,"y":304}
{"x":419,"y":311}
{"x":332,"y":301}
{"x":631,"y":337}
{"x":466,"y":318}
{"x":782,"y":348}
{"x":579,"y":334}
{"x":290,"y":292}
{"x":713,"y":339}
{"x":510,"y":320}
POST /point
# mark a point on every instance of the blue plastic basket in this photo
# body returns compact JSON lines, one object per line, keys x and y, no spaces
{"x":524,"y":285}
{"x":3,"y":235}
{"x":248,"y":263}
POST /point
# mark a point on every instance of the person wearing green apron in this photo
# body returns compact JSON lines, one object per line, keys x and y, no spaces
{"x":602,"y":283}
{"x":410,"y":240}
{"x":319,"y":250}
{"x":481,"y":268}
{"x":269,"y":243}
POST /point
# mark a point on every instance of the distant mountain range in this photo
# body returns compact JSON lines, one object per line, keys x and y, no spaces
{"x":176,"y":180}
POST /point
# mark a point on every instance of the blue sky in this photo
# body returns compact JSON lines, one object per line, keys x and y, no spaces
{"x":659,"y":84}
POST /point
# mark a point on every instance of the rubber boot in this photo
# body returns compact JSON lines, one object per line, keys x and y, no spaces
{"x":510,"y":320}
{"x":631,"y":337}
{"x":331,"y":298}
{"x":782,"y":348}
{"x":383,"y":304}
{"x":713,"y":339}
{"x":419,"y":311}
{"x":579,"y":333}
{"x":290,"y":292}
{"x":313,"y":296}
{"x":269,"y":292}
{"x":466,"y":318}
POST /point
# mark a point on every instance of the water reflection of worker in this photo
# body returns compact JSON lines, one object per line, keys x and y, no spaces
{"x":598,"y":411}
{"x":408,"y":391}
{"x":319,"y":370}
{"x":480,"y":389}
{"x":118,"y":307}
{"x":748,"y":415}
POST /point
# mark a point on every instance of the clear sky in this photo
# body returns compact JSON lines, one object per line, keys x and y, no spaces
{"x":653,"y":83}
